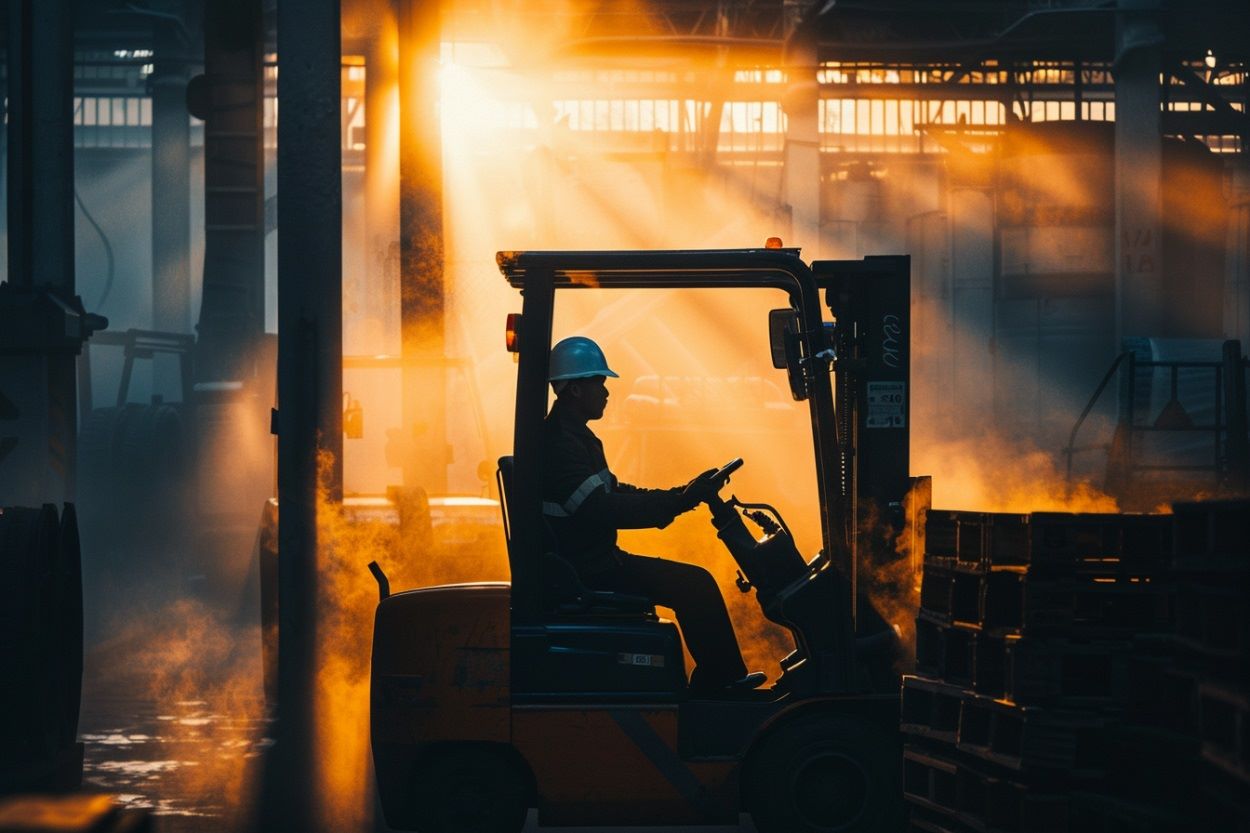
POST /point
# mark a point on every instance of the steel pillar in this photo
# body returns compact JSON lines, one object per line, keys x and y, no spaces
{"x":232,"y":309}
{"x":422,"y":289}
{"x":1138,"y":171}
{"x":310,"y":369}
{"x":41,"y":321}
{"x":802,"y":149}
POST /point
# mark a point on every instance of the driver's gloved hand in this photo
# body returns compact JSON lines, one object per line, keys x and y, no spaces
{"x":701,"y":489}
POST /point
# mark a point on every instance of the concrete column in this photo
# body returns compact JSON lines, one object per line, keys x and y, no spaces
{"x":171,"y":185}
{"x":1138,"y":171}
{"x":802,"y":149}
{"x":171,"y":198}
{"x":422,"y":287}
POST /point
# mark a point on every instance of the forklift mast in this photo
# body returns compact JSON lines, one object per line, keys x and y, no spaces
{"x":870,"y":302}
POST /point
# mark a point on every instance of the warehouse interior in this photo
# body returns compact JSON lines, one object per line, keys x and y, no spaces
{"x":1061,"y":186}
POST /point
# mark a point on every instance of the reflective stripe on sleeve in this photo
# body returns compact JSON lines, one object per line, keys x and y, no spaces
{"x":575,"y":501}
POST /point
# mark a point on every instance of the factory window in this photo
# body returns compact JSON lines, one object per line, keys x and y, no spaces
{"x":759,"y":76}
{"x":751,"y":126}
{"x":634,"y":115}
{"x":898,"y":125}
{"x":112,"y":121}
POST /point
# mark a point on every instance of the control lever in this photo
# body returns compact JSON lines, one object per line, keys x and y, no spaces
{"x":743,"y":584}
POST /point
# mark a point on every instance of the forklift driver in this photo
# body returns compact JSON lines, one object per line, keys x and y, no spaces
{"x":585,"y":505}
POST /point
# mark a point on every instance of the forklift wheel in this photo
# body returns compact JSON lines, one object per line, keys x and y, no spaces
{"x":469,"y":790}
{"x":826,"y":774}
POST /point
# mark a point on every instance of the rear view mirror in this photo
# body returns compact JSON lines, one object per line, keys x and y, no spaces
{"x":780,"y":323}
{"x":785,"y":344}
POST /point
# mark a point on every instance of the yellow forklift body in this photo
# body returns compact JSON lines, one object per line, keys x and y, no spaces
{"x":619,"y":764}
{"x":441,"y":674}
{"x":440,"y":665}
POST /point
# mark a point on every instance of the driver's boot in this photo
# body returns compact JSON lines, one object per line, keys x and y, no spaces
{"x":750,"y":682}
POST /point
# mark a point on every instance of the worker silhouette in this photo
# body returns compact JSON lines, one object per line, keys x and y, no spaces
{"x":585,"y":505}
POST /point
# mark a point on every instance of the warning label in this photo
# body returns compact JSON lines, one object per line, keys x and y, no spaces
{"x":650,"y":660}
{"x":887,"y":405}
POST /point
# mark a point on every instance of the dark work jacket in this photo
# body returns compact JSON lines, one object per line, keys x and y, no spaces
{"x":584,"y":504}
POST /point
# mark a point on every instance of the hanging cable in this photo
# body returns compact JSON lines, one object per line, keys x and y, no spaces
{"x":108,"y":250}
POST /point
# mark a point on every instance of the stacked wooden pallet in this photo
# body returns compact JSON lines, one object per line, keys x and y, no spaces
{"x":1189,"y":706}
{"x":1027,"y":636}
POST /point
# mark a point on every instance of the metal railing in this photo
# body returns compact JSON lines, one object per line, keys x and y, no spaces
{"x":1227,"y":426}
{"x":1093,"y":400}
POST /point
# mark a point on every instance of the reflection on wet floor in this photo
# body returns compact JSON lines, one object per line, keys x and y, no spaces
{"x":195,"y":767}
{"x":186,"y":761}
{"x":173,"y":716}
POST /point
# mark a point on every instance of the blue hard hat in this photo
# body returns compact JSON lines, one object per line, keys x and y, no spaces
{"x":577,"y":357}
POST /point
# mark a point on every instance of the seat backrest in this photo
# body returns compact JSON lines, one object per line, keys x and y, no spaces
{"x":503,"y":479}
{"x":562,"y":587}
{"x":559,"y":577}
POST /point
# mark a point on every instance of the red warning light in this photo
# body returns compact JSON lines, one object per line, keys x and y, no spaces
{"x":512,"y":333}
{"x":772,"y":243}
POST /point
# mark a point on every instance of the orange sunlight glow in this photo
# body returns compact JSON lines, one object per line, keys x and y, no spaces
{"x":347,"y":595}
{"x":538,"y":155}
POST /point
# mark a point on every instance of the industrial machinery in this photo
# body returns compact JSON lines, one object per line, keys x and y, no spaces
{"x":488,"y":699}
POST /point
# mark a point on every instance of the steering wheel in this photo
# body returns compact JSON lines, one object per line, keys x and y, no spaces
{"x":708,"y":486}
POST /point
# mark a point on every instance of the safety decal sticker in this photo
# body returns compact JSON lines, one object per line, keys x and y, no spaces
{"x":887,"y":405}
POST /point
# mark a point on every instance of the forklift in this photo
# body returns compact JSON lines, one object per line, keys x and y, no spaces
{"x":489,"y":699}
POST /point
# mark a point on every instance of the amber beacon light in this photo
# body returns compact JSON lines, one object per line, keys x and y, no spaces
{"x":512,"y":333}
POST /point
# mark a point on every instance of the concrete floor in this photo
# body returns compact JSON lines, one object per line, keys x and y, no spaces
{"x":745,"y":826}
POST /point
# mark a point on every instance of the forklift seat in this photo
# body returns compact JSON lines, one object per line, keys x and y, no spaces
{"x":564,"y":593}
